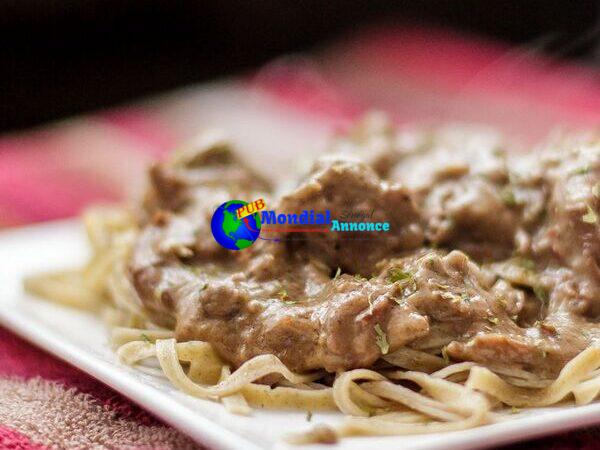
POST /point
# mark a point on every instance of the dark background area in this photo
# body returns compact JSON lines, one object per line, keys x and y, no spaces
{"x":60,"y":58}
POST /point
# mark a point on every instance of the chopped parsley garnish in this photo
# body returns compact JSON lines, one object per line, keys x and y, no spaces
{"x":145,"y":338}
{"x":498,"y":151}
{"x":449,"y":296}
{"x":507,"y":196}
{"x":590,"y":216}
{"x":525,"y":263}
{"x":581,"y":170}
{"x":308,"y":416}
{"x":381,"y":340}
{"x":399,"y":275}
{"x":338,"y":272}
{"x":204,"y":287}
{"x":465,"y":297}
{"x":282,"y":294}
{"x":540,"y":293}
{"x":445,"y":355}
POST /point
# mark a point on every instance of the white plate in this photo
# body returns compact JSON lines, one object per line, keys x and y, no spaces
{"x":81,"y":339}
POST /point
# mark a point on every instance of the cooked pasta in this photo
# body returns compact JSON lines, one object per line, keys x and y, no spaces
{"x":374,"y":402}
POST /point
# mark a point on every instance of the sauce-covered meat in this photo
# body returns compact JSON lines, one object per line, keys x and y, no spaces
{"x":491,"y":256}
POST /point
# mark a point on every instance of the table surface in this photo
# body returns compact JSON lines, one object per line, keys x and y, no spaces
{"x":56,"y":171}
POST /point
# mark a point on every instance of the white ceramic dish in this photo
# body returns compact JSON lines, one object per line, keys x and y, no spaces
{"x":81,"y":339}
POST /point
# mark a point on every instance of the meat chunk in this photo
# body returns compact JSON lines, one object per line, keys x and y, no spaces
{"x":339,"y":301}
{"x":471,"y":214}
{"x":570,"y":236}
{"x":198,"y":175}
{"x":343,"y":186}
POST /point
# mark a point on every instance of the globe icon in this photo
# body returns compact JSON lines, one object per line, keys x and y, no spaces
{"x":231,"y":232}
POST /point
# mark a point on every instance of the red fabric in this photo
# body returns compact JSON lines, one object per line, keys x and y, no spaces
{"x":428,"y":75}
{"x":53,"y":173}
{"x":136,"y":122}
{"x":13,"y":440}
{"x":36,"y":185}
{"x":455,"y":62}
{"x":23,"y":360}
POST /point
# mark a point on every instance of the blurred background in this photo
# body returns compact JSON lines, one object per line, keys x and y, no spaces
{"x":93,"y":91}
{"x":61,"y":58}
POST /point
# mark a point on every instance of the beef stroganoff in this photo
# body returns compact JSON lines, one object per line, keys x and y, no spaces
{"x":483,"y":296}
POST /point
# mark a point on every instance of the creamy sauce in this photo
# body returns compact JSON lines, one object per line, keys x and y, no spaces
{"x":491,"y":257}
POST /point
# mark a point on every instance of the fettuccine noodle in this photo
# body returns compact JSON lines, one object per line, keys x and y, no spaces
{"x":451,"y":396}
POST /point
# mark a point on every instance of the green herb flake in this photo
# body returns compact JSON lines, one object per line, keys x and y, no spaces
{"x":308,"y":416}
{"x":338,"y":272}
{"x":591,"y":216}
{"x":581,"y":170}
{"x":507,"y":196}
{"x":541,"y":293}
{"x":525,"y":263}
{"x":204,"y":287}
{"x":381,"y":340}
{"x":282,"y":294}
{"x":493,"y":320}
{"x":146,"y":338}
{"x":449,"y":296}
{"x":498,"y":151}
{"x":445,"y":355}
{"x":399,"y":275}
{"x":465,"y":297}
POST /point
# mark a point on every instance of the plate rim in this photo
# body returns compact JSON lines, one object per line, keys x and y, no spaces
{"x":213,"y":434}
{"x":210,"y":433}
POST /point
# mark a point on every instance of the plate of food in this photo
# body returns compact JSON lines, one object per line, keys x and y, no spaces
{"x":415,"y":288}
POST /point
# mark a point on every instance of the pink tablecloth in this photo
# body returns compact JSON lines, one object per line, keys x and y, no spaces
{"x":416,"y":74}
